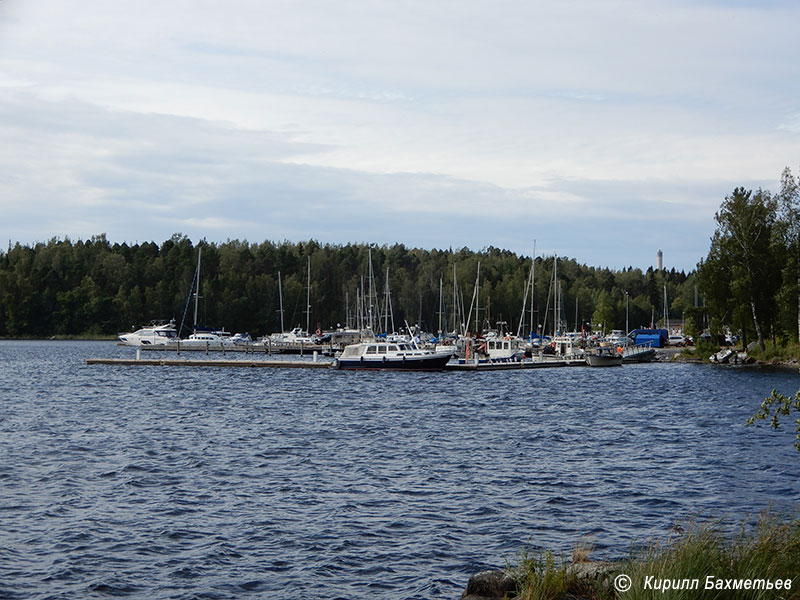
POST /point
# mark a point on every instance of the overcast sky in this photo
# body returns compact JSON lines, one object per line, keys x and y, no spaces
{"x":602,"y":129}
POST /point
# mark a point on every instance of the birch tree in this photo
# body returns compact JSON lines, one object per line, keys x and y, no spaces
{"x":789,"y":210}
{"x":743,"y":242}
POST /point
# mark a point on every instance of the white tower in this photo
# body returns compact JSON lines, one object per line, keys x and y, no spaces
{"x":659,"y":260}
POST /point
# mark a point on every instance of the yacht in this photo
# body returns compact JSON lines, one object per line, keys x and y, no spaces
{"x":158,"y":333}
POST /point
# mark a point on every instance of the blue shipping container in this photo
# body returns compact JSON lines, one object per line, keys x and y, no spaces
{"x":658,"y":337}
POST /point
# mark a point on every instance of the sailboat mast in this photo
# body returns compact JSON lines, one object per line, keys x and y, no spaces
{"x":197,"y":290}
{"x":308,"y":296}
{"x":440,"y":305}
{"x":477,"y":298}
{"x":456,"y":312}
{"x":533,"y":283}
{"x":387,"y":304}
{"x":280,"y":299}
{"x":558,"y":308}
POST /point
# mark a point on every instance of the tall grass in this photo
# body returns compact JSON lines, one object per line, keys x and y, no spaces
{"x":778,"y":352}
{"x":768,"y":549}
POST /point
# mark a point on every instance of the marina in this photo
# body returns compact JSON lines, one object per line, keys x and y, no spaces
{"x":311,"y":363}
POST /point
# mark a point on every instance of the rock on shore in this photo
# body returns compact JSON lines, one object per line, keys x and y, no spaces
{"x":502,"y":584}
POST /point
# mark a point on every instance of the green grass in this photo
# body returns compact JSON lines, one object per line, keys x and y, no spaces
{"x":779,"y":352}
{"x":702,"y":350}
{"x":766,"y":550}
{"x":544,"y":577}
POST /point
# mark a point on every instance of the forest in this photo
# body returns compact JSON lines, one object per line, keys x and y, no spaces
{"x":748,"y":284}
{"x":750,"y":279}
{"x":95,"y":287}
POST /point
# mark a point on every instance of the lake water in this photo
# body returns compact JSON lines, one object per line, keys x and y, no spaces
{"x":159,"y":482}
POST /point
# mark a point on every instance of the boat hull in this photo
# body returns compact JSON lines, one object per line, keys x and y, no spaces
{"x":408,"y":363}
{"x":603,"y":361}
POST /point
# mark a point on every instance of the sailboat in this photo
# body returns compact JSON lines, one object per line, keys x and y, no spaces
{"x":297,"y":340}
{"x":203,"y":338}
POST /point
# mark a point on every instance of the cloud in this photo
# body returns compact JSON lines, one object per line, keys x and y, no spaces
{"x":441,"y":123}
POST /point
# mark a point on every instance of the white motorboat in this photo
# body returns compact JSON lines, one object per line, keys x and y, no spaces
{"x":208,"y":340}
{"x":617,"y":337}
{"x":392,"y":355}
{"x":295,"y":336}
{"x":158,"y":333}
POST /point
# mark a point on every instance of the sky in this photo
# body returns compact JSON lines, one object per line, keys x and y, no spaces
{"x":600,"y":130}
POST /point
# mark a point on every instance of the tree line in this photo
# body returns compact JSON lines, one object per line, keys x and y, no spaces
{"x":750,"y":279}
{"x":94,"y":287}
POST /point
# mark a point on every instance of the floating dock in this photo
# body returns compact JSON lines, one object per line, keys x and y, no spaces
{"x":181,"y":362}
{"x":511,"y":366}
{"x":319,"y":364}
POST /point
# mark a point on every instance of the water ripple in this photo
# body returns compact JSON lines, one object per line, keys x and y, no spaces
{"x":159,"y":482}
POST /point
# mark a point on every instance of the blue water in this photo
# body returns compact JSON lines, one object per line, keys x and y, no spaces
{"x":159,"y":482}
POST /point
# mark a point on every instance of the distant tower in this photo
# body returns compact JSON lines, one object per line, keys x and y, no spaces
{"x":659,"y":260}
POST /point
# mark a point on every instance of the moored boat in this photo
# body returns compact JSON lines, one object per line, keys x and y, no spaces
{"x":158,"y":333}
{"x":392,"y":355}
{"x":495,"y":349}
{"x":603,"y":356}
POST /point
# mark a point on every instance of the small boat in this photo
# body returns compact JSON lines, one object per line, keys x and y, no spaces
{"x":241,"y":339}
{"x":495,"y":349}
{"x":207,"y":339}
{"x":392,"y":355}
{"x":603,"y":356}
{"x":721,"y":357}
{"x":617,"y":337}
{"x":158,"y":333}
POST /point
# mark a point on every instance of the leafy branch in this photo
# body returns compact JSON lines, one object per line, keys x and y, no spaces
{"x":777,"y":406}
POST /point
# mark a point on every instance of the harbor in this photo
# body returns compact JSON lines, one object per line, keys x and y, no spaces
{"x":315,"y":361}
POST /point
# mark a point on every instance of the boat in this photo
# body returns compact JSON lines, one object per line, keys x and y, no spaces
{"x":603,"y":356}
{"x":208,"y":339}
{"x":291,"y":342}
{"x":617,"y":337}
{"x":565,"y":347}
{"x":496,"y":349}
{"x":241,"y":339}
{"x":158,"y":333}
{"x":721,"y":357}
{"x":392,"y":355}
